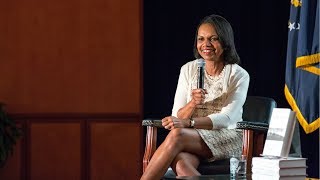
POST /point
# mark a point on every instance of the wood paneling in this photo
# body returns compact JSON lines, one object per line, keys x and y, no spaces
{"x":71,"y":56}
{"x":14,"y":167}
{"x":78,"y":147}
{"x":64,"y":57}
{"x":115,"y":153}
{"x":55,"y":150}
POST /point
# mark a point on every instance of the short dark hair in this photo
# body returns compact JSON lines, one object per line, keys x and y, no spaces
{"x":225,"y":34}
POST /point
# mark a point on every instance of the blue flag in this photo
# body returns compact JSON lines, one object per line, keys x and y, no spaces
{"x":302,"y":65}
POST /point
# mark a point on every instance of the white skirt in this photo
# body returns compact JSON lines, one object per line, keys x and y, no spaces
{"x":223,"y":143}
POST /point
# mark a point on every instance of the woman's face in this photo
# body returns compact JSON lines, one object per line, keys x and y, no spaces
{"x":208,"y":43}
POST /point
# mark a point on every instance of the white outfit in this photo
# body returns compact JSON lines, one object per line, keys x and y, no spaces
{"x":223,"y":105}
{"x":231,"y":96}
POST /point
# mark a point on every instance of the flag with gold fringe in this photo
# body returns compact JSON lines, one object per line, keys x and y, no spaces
{"x":302,"y":65}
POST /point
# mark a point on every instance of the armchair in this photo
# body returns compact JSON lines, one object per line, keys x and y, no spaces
{"x":257,"y":112}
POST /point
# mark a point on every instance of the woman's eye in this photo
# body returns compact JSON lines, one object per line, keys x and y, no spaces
{"x":213,"y":39}
{"x":200,"y":39}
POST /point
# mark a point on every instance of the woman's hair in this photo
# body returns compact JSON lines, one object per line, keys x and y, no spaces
{"x":225,"y":34}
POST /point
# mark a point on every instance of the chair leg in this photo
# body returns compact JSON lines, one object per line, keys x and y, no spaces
{"x":259,"y":139}
{"x":247,"y":147}
{"x":151,"y":142}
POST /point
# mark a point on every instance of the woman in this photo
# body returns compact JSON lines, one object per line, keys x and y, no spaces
{"x":203,"y":121}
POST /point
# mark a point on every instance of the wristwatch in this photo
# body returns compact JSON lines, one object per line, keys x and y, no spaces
{"x":191,"y":123}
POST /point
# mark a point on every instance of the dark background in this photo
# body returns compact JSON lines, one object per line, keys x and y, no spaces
{"x":260,"y":28}
{"x":261,"y":31}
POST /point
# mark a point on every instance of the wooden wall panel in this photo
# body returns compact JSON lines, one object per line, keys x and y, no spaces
{"x":77,"y":56}
{"x":67,"y":57}
{"x":13,"y":169}
{"x":55,"y":151}
{"x":115,"y":151}
{"x":82,"y":146}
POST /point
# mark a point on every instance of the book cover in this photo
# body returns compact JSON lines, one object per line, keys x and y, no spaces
{"x":283,"y":162}
{"x":296,"y":171}
{"x":280,"y":133}
{"x":274,"y":177}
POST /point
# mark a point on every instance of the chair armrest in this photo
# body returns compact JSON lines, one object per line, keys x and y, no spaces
{"x":256,"y":126}
{"x":152,"y":123}
{"x":253,"y":139}
{"x":151,"y":139}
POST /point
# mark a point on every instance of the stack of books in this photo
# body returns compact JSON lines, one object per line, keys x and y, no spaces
{"x":279,"y":168}
{"x":275,"y":163}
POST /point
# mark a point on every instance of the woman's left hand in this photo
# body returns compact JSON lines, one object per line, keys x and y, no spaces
{"x":172,"y":122}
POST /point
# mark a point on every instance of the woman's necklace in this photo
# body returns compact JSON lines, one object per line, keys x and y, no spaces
{"x":215,"y":78}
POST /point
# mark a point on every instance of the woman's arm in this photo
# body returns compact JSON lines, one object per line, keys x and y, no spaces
{"x":186,"y":111}
{"x":180,"y":98}
{"x":198,"y":96}
{"x":181,"y":107}
{"x":231,"y":111}
{"x":172,"y":122}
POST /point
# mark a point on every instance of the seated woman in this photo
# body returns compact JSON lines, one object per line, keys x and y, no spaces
{"x":203,"y":121}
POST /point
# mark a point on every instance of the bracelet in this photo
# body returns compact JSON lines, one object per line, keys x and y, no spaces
{"x":191,"y":123}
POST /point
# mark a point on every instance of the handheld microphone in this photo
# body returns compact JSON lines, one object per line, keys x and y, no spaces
{"x":200,"y":72}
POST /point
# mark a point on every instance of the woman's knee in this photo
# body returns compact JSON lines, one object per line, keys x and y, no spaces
{"x":181,"y":168}
{"x":175,"y":134}
{"x":178,"y":164}
{"x":185,"y":163}
{"x":180,"y":134}
{"x":175,"y":137}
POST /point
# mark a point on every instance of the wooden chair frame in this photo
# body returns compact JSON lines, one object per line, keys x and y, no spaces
{"x":257,"y":113}
{"x":253,"y":140}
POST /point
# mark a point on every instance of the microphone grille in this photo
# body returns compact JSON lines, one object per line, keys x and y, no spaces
{"x":201,"y":62}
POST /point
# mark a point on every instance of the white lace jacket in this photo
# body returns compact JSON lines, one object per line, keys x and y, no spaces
{"x":224,"y":105}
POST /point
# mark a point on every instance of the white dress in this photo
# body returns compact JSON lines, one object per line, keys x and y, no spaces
{"x":223,"y":104}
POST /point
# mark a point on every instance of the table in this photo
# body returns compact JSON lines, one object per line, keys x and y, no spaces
{"x":210,"y":177}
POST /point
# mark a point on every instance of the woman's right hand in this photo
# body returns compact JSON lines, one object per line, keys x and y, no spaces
{"x":198,"y":96}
